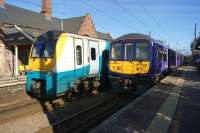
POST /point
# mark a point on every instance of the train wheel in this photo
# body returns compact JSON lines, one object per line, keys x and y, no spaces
{"x":70,"y":96}
{"x":95,"y":91}
{"x":96,"y":84}
{"x":49,"y":106}
{"x":157,"y":79}
{"x":86,"y":87}
{"x":77,"y":86}
{"x":59,"y":102}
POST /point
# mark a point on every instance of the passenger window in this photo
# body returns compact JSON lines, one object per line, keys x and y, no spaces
{"x":117,"y":52}
{"x":78,"y":55}
{"x":93,"y":53}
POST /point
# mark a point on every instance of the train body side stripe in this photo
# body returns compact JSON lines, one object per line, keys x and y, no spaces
{"x":56,"y":82}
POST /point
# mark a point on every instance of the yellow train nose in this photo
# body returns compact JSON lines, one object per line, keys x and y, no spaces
{"x":129,"y":67}
{"x":39,"y":64}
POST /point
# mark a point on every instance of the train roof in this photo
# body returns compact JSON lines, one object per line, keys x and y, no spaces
{"x":56,"y":33}
{"x":139,"y":36}
{"x":133,"y":36}
{"x":51,"y":34}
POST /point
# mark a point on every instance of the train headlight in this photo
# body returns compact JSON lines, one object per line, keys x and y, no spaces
{"x":36,"y":84}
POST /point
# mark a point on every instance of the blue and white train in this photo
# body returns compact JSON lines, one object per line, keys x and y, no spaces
{"x":59,"y":62}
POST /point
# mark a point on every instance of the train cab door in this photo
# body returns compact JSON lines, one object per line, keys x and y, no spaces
{"x":165,"y":59}
{"x":158,"y":59}
{"x":78,"y":43}
{"x":94,"y":57}
{"x":128,"y":65}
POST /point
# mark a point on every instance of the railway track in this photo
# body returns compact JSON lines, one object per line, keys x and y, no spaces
{"x":74,"y":117}
{"x":84,"y":120}
{"x":80,"y":121}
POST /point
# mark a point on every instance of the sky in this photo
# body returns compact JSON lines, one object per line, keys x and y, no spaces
{"x":171,"y":21}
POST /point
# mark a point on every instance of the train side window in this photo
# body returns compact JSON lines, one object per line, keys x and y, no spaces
{"x":78,"y":55}
{"x":93,"y":53}
{"x":117,"y":52}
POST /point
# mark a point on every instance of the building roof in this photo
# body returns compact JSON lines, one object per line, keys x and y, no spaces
{"x":26,"y":18}
{"x":35,"y":23}
{"x":72,"y":25}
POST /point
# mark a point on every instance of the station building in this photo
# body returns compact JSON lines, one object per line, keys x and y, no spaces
{"x":18,"y":28}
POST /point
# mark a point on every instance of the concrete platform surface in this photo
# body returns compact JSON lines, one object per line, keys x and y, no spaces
{"x":10,"y":81}
{"x":171,"y":106}
{"x":12,"y":91}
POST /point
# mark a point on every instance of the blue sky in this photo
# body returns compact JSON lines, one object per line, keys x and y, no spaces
{"x":168,"y":20}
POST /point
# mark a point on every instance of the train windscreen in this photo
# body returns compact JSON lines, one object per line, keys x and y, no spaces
{"x":44,"y":47}
{"x":117,"y":52}
{"x":142,"y":51}
{"x":130,"y":51}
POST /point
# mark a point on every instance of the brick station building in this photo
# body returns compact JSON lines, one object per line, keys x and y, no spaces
{"x":17,"y":25}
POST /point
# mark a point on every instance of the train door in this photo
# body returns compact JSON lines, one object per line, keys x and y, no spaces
{"x":86,"y":56}
{"x":128,"y":65}
{"x":165,"y":58}
{"x":94,"y":57}
{"x":153,"y":58}
{"x":78,"y":57}
{"x":159,"y":59}
{"x":169,"y":59}
{"x":178,"y":60}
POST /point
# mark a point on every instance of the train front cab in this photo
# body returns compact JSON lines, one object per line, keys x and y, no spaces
{"x":40,"y":78}
{"x":129,"y":59}
{"x":137,"y":60}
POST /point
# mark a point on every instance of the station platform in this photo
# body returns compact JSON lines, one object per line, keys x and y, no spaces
{"x":171,"y":106}
{"x":12,"y":91}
